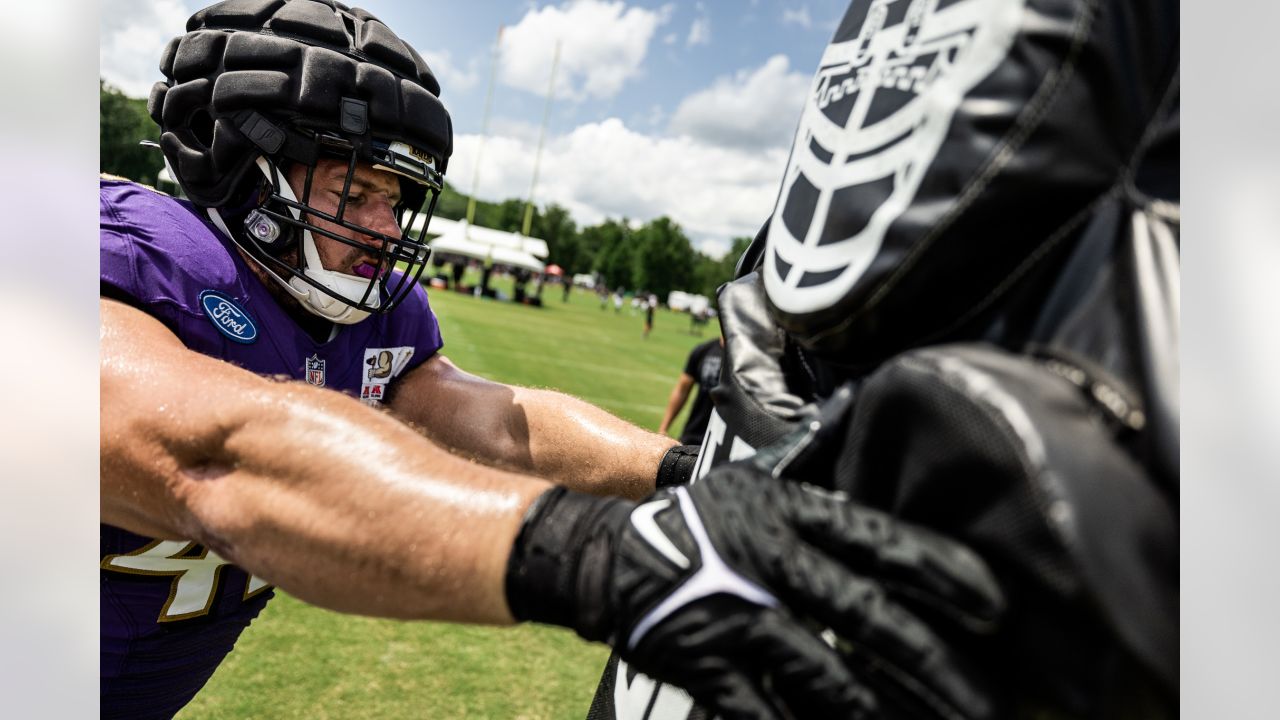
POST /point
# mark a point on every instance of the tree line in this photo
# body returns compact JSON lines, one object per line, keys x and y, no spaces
{"x":656,"y":256}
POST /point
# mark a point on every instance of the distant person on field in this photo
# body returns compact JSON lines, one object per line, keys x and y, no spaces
{"x":649,"y":306}
{"x":457,"y":268}
{"x":698,"y":320}
{"x":703,"y":370}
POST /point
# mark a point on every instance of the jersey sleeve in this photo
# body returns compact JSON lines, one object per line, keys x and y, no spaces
{"x":157,"y":253}
{"x":123,"y":271}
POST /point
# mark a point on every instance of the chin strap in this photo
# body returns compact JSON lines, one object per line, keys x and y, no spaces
{"x":221,"y":224}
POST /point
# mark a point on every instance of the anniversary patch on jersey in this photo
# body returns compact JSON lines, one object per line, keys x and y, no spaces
{"x":877,"y":114}
{"x":380,"y":365}
{"x":228,"y":317}
{"x":315,"y":370}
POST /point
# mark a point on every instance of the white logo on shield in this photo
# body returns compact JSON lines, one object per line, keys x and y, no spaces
{"x":875,"y":118}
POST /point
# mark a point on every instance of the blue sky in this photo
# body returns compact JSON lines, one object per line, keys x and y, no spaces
{"x":683,"y":109}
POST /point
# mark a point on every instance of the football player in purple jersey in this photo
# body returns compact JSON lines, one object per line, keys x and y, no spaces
{"x":307,"y":136}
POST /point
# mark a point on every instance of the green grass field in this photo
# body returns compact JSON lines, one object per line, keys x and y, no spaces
{"x":297,"y":661}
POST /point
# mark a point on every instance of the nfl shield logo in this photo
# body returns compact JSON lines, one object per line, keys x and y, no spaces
{"x":315,"y":371}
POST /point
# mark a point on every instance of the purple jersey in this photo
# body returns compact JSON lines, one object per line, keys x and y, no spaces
{"x":171,"y":610}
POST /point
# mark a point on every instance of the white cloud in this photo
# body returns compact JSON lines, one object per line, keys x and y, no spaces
{"x":670,"y":39}
{"x":799,"y":17}
{"x":452,"y":77}
{"x":607,"y":170}
{"x":752,"y":110}
{"x":603,"y":44}
{"x":133,"y":34}
{"x":716,"y":247}
{"x":699,"y":32}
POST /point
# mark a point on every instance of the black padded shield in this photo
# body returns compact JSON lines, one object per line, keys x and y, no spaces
{"x":946,"y":148}
{"x":1010,"y":456}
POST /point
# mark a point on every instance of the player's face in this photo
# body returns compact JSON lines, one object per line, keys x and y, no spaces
{"x":370,"y":203}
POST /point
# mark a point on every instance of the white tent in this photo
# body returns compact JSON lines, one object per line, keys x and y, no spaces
{"x":683,"y":301}
{"x":458,"y":238}
{"x":456,"y":244}
{"x":443,"y":227}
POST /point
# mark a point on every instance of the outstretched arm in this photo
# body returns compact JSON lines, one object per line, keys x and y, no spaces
{"x":347,"y":508}
{"x":679,"y":394}
{"x":539,"y":432}
{"x":333,"y":501}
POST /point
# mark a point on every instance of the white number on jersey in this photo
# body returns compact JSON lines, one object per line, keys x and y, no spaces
{"x":195,"y":578}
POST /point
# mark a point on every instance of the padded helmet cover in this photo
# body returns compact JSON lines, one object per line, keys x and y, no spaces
{"x":293,"y":62}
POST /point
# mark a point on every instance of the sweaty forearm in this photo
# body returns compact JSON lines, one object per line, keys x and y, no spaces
{"x":345,"y":508}
{"x":335,"y":502}
{"x":536,"y":432}
{"x":585,"y":448}
{"x":372,"y":520}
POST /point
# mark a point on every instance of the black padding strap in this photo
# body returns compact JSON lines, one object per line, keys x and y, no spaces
{"x":355,"y":116}
{"x":261,"y":131}
{"x":677,"y":466}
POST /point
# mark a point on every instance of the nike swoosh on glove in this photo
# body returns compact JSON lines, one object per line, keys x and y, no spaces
{"x":723,"y":588}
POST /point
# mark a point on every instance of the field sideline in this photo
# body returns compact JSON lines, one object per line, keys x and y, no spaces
{"x":297,"y":661}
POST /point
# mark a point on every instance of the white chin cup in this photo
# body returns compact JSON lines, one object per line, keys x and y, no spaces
{"x":328,"y":307}
{"x":349,"y":287}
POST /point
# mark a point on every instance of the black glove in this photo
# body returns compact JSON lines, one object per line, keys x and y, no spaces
{"x":720,"y":587}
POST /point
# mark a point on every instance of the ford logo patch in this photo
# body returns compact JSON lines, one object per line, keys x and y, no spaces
{"x":230,"y":319}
